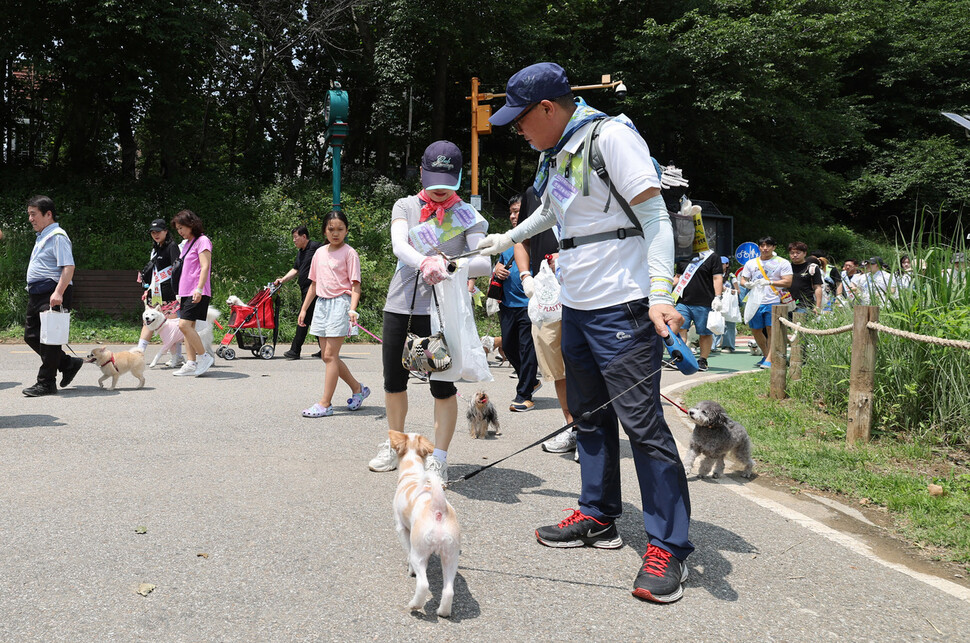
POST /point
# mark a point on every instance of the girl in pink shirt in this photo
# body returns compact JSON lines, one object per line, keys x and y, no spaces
{"x":335,"y":282}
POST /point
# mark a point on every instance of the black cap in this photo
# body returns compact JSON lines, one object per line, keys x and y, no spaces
{"x":876,"y":260}
{"x":158,"y":225}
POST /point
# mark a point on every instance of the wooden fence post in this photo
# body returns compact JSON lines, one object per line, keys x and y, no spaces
{"x":797,"y":348}
{"x":778,"y":352}
{"x":862,"y":372}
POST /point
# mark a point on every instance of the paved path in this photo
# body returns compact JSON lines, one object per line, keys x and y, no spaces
{"x":264,"y":526}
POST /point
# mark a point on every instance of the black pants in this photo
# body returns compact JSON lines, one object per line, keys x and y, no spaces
{"x":52,"y":358}
{"x":395,"y":335}
{"x":519,"y":348}
{"x":300,"y":337}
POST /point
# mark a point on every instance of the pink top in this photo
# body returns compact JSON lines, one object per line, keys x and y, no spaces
{"x":334,"y":272}
{"x":191,"y":268}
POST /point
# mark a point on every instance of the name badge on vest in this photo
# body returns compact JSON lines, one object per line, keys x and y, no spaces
{"x":561,"y":195}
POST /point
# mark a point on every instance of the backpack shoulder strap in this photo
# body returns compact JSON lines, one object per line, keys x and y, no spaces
{"x":593,"y":160}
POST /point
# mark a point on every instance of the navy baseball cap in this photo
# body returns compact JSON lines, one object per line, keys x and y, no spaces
{"x":441,"y":166}
{"x":538,"y":82}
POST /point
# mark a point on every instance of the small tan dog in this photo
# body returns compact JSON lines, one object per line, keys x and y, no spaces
{"x":481,"y":414}
{"x":426,"y":522}
{"x":114,"y":364}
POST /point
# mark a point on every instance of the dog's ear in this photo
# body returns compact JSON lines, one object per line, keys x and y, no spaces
{"x":720,"y":416}
{"x":424,"y":446}
{"x":399,"y":441}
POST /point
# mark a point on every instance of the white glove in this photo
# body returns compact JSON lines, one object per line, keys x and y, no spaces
{"x":672,"y":177}
{"x":716,"y":304}
{"x":434,"y":270}
{"x":493,"y":244}
{"x":760,"y":281}
{"x":528,"y":287}
{"x":353,"y":317}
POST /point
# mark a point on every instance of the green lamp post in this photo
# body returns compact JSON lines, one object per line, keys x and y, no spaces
{"x":335,"y":112}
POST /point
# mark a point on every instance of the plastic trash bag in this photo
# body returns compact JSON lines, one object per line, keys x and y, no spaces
{"x":715,"y":322}
{"x":755,"y":296}
{"x":468,"y":360}
{"x":545,"y":306}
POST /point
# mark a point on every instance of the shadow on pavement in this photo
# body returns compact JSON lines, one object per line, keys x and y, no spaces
{"x":6,"y":385}
{"x":29,"y":421}
{"x":497,"y":484}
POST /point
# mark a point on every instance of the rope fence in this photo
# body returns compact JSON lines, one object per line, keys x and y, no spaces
{"x":865,"y":329}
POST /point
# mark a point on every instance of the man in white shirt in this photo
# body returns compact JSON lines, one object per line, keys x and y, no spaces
{"x":774,"y":274}
{"x":616,"y":282}
{"x":876,"y":284}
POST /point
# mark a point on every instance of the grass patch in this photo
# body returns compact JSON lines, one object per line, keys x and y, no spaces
{"x":797,"y":440}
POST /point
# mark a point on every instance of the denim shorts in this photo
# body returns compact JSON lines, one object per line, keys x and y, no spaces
{"x":331,"y":317}
{"x":696,"y":315}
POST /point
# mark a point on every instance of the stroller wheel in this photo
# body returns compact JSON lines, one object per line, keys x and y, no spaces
{"x":267,"y":351}
{"x":229,"y":354}
{"x":221,"y":351}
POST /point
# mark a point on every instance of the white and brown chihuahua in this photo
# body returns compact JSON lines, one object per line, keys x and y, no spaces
{"x":426,"y":521}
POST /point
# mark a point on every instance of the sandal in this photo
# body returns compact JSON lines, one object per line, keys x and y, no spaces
{"x":357,"y":400}
{"x":318,"y":411}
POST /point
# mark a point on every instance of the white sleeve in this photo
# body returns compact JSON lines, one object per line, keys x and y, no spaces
{"x":402,"y":249}
{"x":480,"y":266}
{"x":659,"y":236}
{"x":539,"y":221}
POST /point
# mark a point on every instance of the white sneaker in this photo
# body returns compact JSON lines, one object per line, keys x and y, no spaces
{"x":385,"y":460}
{"x":205,"y":361}
{"x":562,"y":443}
{"x":188,"y":369}
{"x":438,"y":468}
{"x":175,"y":362}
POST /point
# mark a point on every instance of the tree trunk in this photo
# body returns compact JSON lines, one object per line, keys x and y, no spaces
{"x":126,"y":138}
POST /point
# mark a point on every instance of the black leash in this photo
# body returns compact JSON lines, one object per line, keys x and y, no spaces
{"x":585,"y":416}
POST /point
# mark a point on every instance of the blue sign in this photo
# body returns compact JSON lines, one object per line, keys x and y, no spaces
{"x":747,"y":251}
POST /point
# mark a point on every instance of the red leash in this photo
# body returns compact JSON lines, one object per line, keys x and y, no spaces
{"x":683,"y":410}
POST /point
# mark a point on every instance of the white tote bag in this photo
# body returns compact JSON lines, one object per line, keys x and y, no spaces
{"x":55,"y":327}
{"x":468,"y":360}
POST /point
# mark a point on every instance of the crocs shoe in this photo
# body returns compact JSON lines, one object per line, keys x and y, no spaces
{"x":357,"y":399}
{"x":318,"y":411}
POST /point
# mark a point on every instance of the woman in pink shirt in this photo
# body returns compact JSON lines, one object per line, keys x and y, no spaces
{"x":335,"y":283}
{"x":194,"y":290}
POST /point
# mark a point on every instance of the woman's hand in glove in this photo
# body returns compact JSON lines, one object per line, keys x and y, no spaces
{"x":495,"y":243}
{"x":434,"y":270}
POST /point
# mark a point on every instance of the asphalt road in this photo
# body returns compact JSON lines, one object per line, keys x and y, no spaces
{"x":260,"y":525}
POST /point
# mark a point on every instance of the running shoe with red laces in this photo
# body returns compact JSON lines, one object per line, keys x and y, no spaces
{"x":578,"y":530}
{"x":661,"y":577}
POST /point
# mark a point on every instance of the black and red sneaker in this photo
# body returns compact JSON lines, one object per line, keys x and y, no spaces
{"x":578,"y":530}
{"x":661,"y":577}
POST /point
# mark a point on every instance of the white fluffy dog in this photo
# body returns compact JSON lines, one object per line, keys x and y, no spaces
{"x":426,"y":522}
{"x":235,"y":301}
{"x":716,"y":435}
{"x":168,"y":330}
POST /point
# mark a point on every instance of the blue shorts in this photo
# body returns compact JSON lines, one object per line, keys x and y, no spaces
{"x":697,"y":315}
{"x":331,"y":317}
{"x":762,"y":318}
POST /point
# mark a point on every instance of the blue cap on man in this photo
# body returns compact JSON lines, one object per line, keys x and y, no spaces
{"x":538,"y":82}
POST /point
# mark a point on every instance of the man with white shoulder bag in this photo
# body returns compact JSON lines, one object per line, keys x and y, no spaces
{"x":49,"y":276}
{"x":773,"y":274}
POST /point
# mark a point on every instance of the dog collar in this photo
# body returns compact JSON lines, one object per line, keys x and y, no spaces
{"x":111,"y":361}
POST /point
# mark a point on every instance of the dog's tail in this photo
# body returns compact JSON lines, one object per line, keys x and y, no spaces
{"x":212,"y":314}
{"x":439,"y":506}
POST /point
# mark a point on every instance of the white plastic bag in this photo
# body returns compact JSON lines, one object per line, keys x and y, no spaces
{"x":730,"y":307}
{"x":715,"y":322}
{"x":491,"y":306}
{"x":544,"y":305}
{"x":752,"y":302}
{"x":55,"y":327}
{"x":468,"y":360}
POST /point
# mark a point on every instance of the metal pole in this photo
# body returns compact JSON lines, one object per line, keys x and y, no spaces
{"x":474,"y":98}
{"x":336,"y":177}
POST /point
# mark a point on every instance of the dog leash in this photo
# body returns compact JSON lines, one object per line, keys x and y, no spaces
{"x":682,"y":409}
{"x":585,"y":416}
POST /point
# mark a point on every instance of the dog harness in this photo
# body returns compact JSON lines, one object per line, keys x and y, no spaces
{"x":111,"y":361}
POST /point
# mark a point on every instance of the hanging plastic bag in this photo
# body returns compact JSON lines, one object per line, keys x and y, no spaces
{"x":730,"y":307}
{"x":491,"y":306}
{"x":755,"y":296}
{"x":715,"y":322}
{"x":544,"y":305}
{"x":468,"y":360}
{"x":55,"y":327}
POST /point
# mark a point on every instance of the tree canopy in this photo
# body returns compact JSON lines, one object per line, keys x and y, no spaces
{"x":804,"y":109}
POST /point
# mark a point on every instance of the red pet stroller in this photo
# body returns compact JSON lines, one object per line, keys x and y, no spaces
{"x":248,"y":322}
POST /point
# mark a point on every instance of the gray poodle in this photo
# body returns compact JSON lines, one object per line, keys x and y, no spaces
{"x":716,"y":435}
